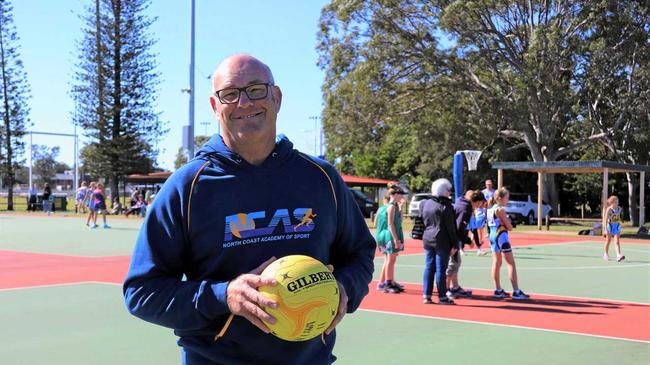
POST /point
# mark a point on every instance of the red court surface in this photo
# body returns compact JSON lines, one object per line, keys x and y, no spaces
{"x":22,"y":269}
{"x":597,"y":317}
{"x":582,"y":316}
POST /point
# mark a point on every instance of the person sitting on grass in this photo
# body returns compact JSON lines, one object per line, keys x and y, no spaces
{"x":137,"y":207}
{"x":117,"y":207}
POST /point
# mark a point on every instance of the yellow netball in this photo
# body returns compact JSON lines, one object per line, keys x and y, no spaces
{"x":307,"y":295}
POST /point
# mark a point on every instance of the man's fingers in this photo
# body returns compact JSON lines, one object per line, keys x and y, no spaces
{"x":343,"y":308}
{"x":258,"y":270}
{"x":256,"y":322}
{"x":330,"y":268}
{"x":254,"y":296}
{"x":255,"y":281}
{"x":259,"y":313}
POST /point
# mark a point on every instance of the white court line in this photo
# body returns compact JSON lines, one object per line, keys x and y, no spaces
{"x":612,"y":244}
{"x":573,"y":244}
{"x":526,"y":268}
{"x":553,"y":295}
{"x":504,"y":325}
{"x":63,"y":255}
{"x":56,"y":285}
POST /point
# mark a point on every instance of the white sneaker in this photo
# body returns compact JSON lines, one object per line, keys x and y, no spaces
{"x":480,"y":252}
{"x":620,"y":258}
{"x":606,"y":257}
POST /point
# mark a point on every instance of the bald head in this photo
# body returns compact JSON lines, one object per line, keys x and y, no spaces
{"x":236,"y":65}
{"x":249,"y":108}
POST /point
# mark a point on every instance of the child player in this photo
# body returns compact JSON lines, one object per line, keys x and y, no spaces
{"x":612,"y":227}
{"x":499,"y":225}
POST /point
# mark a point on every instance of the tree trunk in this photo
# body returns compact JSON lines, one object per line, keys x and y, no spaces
{"x":633,"y":207}
{"x":115,"y":192}
{"x":7,"y":121}
{"x":551,"y":195}
{"x":114,"y":155}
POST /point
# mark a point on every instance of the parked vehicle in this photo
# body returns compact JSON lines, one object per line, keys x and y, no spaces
{"x":414,"y":205}
{"x":366,"y":205}
{"x":521,"y":208}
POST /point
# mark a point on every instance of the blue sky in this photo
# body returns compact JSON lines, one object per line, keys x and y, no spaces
{"x":50,"y":30}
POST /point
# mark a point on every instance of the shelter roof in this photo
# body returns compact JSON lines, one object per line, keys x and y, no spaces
{"x":365,"y":181}
{"x":576,"y":167}
{"x":160,"y":177}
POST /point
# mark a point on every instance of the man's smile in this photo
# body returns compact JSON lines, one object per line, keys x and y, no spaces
{"x":248,"y":116}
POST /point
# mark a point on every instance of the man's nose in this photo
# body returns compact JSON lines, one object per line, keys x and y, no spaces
{"x":244,"y":101}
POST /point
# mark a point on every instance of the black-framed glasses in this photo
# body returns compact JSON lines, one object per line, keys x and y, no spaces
{"x":253,"y":92}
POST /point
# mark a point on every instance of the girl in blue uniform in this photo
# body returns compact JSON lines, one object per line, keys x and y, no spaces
{"x":499,"y":225}
{"x":480,"y":223}
{"x":612,"y":227}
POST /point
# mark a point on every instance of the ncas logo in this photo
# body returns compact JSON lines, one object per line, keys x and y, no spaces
{"x":244,"y":225}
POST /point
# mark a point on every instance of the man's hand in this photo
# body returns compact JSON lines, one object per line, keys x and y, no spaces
{"x":244,"y":300}
{"x":343,"y":305}
{"x":453,"y":251}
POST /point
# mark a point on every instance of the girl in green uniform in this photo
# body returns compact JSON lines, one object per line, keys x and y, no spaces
{"x":390,"y":237}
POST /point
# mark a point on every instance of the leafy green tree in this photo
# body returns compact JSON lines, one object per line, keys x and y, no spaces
{"x":614,"y":86}
{"x":389,"y":109}
{"x":14,"y":93}
{"x":511,"y":78}
{"x":44,"y":163}
{"x":115,"y":89}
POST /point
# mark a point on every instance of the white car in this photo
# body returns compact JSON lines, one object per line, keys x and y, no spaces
{"x":414,"y":205}
{"x":521,"y":208}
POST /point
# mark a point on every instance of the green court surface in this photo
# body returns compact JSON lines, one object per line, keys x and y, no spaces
{"x":575,"y":269}
{"x":87,"y":323}
{"x":67,"y":235}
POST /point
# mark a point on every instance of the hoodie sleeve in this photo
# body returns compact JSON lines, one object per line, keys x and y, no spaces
{"x":353,"y":250}
{"x":450,"y":227}
{"x":154,"y":288}
{"x":460,"y":210}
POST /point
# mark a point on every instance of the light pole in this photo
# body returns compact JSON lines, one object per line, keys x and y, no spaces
{"x":205,"y":127}
{"x":316,"y":133}
{"x":190,"y":129}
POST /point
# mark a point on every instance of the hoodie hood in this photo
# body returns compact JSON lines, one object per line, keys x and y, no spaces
{"x":217,"y":149}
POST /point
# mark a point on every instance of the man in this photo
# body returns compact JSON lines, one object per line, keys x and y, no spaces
{"x":477,"y":231}
{"x":488,"y":192}
{"x":231,"y":211}
{"x":33,"y":198}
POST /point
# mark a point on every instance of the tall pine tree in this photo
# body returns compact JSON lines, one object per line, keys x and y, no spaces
{"x":115,"y":89}
{"x":14,"y":93}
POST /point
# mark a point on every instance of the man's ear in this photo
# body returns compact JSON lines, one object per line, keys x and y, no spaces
{"x":277,"y":97}
{"x":214,"y":102}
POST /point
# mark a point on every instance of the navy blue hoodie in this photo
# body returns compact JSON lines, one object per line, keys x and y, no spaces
{"x":218,"y":217}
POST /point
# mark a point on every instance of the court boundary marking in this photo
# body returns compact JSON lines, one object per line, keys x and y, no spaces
{"x":72,"y":283}
{"x":404,"y":314}
{"x":504,"y":325}
{"x":547,"y":295}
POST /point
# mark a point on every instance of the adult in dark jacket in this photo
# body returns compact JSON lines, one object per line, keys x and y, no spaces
{"x":440,"y":239}
{"x":463,"y":210}
{"x":244,"y":200}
